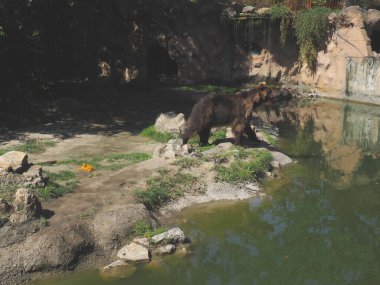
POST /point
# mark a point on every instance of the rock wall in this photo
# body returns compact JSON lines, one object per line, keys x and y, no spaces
{"x":349,"y":63}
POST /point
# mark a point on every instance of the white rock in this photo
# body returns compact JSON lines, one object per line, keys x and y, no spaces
{"x":173,"y":236}
{"x":133,"y":253}
{"x":248,"y":9}
{"x":166,"y":249}
{"x":171,"y":123}
{"x":14,"y":161}
{"x":142,"y":241}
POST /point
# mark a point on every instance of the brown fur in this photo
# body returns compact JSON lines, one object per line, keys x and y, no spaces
{"x":226,"y":109}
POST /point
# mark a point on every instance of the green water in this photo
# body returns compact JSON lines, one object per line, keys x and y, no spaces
{"x":319,"y":223}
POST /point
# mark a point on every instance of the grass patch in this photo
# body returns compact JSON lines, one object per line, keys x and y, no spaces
{"x":187,"y":162}
{"x":110,"y":162}
{"x":143,"y":228}
{"x":164,"y":188}
{"x":30,"y":146}
{"x":216,"y":135}
{"x":152,"y":133}
{"x":207,"y":88}
{"x":60,"y":183}
{"x":247,"y":165}
{"x":269,"y":138}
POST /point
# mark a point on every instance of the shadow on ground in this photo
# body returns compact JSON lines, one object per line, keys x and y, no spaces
{"x":94,"y":110}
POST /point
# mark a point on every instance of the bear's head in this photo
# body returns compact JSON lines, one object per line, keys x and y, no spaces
{"x":265,"y":93}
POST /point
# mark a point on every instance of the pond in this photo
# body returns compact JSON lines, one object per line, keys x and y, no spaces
{"x":319,"y":223}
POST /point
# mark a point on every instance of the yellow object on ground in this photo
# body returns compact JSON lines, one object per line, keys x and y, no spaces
{"x":86,"y":167}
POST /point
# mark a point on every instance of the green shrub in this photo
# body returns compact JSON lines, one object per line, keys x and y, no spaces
{"x":252,"y":163}
{"x":143,"y":228}
{"x":311,"y":30}
{"x":161,"y":189}
{"x":285,"y":16}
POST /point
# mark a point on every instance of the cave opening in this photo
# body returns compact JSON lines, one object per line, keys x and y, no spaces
{"x":375,"y":37}
{"x":375,"y":41}
{"x":159,"y":64}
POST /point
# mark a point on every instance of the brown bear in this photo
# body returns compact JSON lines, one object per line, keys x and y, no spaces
{"x":226,"y":109}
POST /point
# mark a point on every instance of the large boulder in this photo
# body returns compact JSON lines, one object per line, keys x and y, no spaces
{"x":134,"y":253}
{"x":171,"y":123}
{"x":26,"y":206}
{"x":173,"y":236}
{"x":121,"y":220}
{"x":14,"y":161}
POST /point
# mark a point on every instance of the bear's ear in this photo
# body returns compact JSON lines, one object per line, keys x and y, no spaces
{"x":261,"y":85}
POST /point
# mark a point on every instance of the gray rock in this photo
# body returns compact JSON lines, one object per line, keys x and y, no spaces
{"x":173,"y":149}
{"x":26,"y":206}
{"x":5,"y":208}
{"x":134,"y":253}
{"x":35,"y":177}
{"x":15,"y":161}
{"x":280,"y":159}
{"x":165,"y":250}
{"x":248,"y":9}
{"x":171,"y":123}
{"x":173,"y":236}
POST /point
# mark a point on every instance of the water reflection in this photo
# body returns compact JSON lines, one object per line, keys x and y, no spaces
{"x":345,"y":136}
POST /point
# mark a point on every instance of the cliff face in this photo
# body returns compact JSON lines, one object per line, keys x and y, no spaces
{"x":349,"y":66}
{"x":205,"y":41}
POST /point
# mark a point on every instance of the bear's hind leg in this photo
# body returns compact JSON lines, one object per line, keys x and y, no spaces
{"x":238,"y":130}
{"x":204,"y":134}
{"x":250,"y":132}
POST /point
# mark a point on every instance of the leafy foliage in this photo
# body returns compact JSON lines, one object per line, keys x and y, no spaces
{"x":311,"y":30}
{"x":309,"y":26}
{"x":285,"y":15}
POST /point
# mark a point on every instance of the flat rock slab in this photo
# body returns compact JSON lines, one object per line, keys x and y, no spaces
{"x":173,"y":236}
{"x":117,"y":268}
{"x":280,"y":159}
{"x":14,"y":161}
{"x":134,"y":253}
